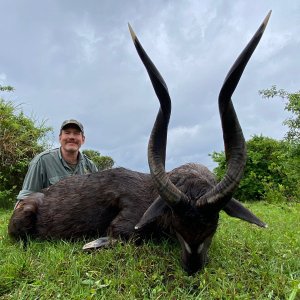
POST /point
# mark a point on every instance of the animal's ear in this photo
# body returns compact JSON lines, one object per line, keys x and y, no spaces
{"x":156,"y":209}
{"x":235,"y":209}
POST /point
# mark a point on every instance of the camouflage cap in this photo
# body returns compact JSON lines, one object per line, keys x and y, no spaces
{"x":72,"y":122}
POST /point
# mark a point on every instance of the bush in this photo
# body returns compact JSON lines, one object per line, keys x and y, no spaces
{"x":272,"y":170}
{"x":20,"y":140}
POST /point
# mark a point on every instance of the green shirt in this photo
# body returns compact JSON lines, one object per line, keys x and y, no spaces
{"x":49,"y":167}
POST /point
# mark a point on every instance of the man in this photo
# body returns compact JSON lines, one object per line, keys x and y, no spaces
{"x":50,"y":166}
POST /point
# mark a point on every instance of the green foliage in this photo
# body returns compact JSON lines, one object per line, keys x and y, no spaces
{"x":273,"y":167}
{"x":246,"y":262}
{"x":102,"y":162}
{"x":20,"y":140}
{"x":292,"y":105}
{"x":6,"y":88}
{"x":272,"y":170}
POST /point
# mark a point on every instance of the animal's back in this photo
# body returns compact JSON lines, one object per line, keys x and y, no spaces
{"x":85,"y":205}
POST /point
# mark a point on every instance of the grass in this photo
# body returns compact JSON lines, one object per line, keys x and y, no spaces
{"x":246,"y":263}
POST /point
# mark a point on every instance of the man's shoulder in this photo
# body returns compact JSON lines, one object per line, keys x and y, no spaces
{"x":47,"y":154}
{"x":91,"y":165}
{"x":86,"y":158}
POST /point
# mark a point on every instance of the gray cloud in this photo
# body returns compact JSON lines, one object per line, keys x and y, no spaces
{"x":76,"y":59}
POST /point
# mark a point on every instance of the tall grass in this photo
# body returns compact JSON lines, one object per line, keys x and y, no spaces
{"x":246,"y":263}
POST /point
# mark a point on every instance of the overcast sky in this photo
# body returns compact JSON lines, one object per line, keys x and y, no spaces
{"x":75,"y":59}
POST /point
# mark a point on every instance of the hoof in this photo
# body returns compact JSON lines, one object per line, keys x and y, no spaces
{"x":103,"y":242}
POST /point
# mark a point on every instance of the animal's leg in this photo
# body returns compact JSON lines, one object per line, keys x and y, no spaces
{"x":121,"y":227}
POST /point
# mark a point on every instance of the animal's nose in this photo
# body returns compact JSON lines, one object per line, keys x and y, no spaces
{"x":193,"y":264}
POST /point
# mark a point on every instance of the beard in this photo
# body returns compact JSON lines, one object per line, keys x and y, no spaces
{"x":71,"y":147}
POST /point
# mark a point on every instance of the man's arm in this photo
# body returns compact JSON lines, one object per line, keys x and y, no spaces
{"x":33,"y":181}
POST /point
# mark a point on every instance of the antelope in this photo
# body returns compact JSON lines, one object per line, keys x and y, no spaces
{"x":124,"y":204}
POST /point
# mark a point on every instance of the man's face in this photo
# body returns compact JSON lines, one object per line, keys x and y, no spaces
{"x":71,"y":139}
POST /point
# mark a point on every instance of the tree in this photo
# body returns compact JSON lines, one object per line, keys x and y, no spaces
{"x":102,"y":162}
{"x":6,"y":88}
{"x":21,"y":138}
{"x":292,"y":105}
{"x":273,"y":167}
{"x":271,"y":173}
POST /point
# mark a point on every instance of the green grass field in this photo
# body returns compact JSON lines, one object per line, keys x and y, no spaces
{"x":246,"y":262}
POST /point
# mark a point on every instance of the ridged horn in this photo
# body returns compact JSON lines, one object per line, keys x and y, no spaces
{"x":158,"y":138}
{"x":235,"y":149}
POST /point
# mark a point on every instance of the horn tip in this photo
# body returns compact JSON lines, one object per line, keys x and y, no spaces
{"x":266,"y":20}
{"x":133,"y":36}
